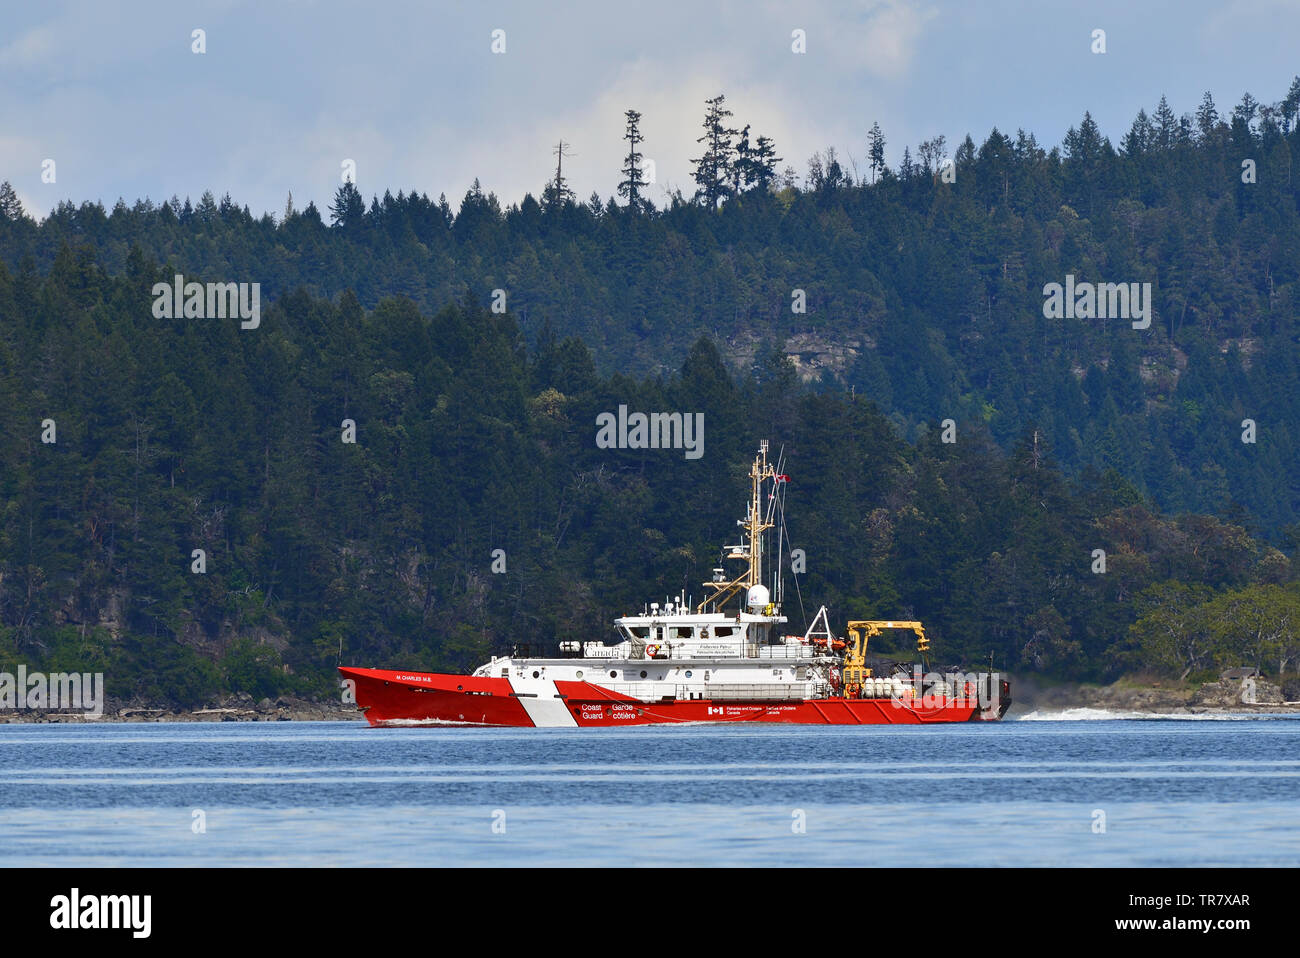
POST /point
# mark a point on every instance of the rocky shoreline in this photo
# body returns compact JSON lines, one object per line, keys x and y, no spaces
{"x":236,"y":708}
{"x":1127,"y":695}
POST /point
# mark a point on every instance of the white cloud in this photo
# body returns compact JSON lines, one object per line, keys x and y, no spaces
{"x":35,"y":46}
{"x":412,"y":93}
{"x":878,"y":38}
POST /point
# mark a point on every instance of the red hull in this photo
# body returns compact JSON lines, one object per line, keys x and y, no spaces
{"x":418,"y":698}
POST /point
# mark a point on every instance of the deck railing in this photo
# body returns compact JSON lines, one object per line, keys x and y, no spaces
{"x":765,"y":692}
{"x":676,"y":651}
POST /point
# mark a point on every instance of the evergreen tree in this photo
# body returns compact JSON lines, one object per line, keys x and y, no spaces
{"x":713,"y":170}
{"x":761,"y":173}
{"x":1207,"y":117}
{"x":348,"y":208}
{"x":1084,"y":145}
{"x":741,"y":166}
{"x":1138,"y":139}
{"x":1246,"y":111}
{"x":755,"y":164}
{"x":1166,"y":126}
{"x":906,"y":168}
{"x":876,"y":151}
{"x":557,"y":194}
{"x":1289,"y":108}
{"x":11,"y":208}
{"x":633,"y":183}
{"x":206,"y":211}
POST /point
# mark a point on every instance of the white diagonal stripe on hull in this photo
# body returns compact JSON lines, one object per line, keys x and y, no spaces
{"x":540,"y":699}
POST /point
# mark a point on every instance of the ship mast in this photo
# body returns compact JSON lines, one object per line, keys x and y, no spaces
{"x":750,"y":550}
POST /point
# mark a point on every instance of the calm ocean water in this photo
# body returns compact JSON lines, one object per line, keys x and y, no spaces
{"x":1030,"y":792}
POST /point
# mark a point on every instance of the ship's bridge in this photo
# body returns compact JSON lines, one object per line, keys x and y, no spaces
{"x":677,"y":632}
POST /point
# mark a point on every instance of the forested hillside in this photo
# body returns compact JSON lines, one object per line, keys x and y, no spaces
{"x":475,"y":430}
{"x":924,"y":294}
{"x":181,"y":435}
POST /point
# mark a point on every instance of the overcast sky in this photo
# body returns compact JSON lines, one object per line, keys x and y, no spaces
{"x":412,"y":92}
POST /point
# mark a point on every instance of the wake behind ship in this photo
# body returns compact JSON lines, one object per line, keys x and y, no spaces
{"x":726,"y":660}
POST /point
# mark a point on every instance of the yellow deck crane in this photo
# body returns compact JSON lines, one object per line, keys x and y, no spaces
{"x":854,"y":670}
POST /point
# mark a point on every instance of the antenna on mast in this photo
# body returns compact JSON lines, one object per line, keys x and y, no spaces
{"x":757,"y":520}
{"x":778,"y":519}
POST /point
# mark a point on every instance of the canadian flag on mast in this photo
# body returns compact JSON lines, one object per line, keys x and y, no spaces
{"x":782,"y":478}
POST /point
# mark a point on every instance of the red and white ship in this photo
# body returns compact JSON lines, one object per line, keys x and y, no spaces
{"x":726,"y":660}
